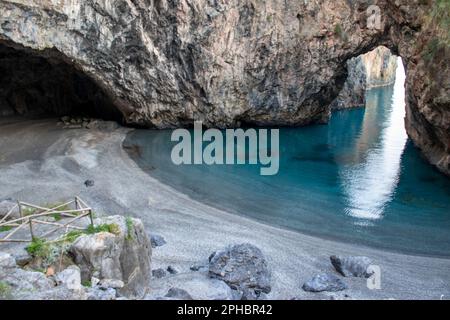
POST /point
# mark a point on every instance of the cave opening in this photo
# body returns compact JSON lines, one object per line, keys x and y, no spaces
{"x":42,"y":84}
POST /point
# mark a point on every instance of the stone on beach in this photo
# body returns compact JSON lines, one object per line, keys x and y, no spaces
{"x":244,"y":268}
{"x":89,"y":183}
{"x":352,"y":266}
{"x":157,"y":241}
{"x":172,"y":270}
{"x":324,"y":282}
{"x":159,"y":273}
{"x":124,"y":256}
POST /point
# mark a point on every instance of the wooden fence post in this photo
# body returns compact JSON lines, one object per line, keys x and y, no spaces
{"x":30,"y":221}
{"x":20,"y":209}
{"x":90,"y":217}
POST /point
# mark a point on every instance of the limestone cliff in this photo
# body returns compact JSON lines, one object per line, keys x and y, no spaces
{"x":164,"y":63}
{"x":373,"y":69}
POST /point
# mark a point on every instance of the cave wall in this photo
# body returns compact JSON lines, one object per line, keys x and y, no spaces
{"x":36,"y":84}
{"x":165,"y":63}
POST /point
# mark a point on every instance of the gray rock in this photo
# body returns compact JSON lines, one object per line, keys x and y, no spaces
{"x":101,"y":294}
{"x":244,"y":268}
{"x":373,"y":69}
{"x":23,"y":259}
{"x":70,"y":277}
{"x":110,"y":283}
{"x":89,"y":183}
{"x":23,"y":284}
{"x":102,"y":125}
{"x":179,"y":294}
{"x":172,"y":270}
{"x":351,"y":266}
{"x":198,"y":268}
{"x":124,"y":256}
{"x":159,"y":273}
{"x":157,"y":241}
{"x":56,"y":293}
{"x":7,"y":260}
{"x":324,"y":282}
{"x":199,"y":286}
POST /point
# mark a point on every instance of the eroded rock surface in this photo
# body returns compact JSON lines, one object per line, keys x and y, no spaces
{"x":244,"y":268}
{"x":165,"y":63}
{"x":124,"y":256}
{"x":374,"y":69}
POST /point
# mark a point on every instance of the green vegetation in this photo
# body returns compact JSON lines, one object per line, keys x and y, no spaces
{"x":86,"y":284}
{"x":129,"y":223}
{"x":111,"y":228}
{"x":5,"y":290}
{"x":438,"y":24}
{"x":75,"y":234}
{"x":440,"y":14}
{"x":39,"y":248}
{"x":50,"y":251}
{"x":5,"y":228}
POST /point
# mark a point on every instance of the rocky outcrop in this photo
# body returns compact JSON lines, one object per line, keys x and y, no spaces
{"x":374,"y":69}
{"x":124,"y":255}
{"x":244,"y":268}
{"x":165,"y":63}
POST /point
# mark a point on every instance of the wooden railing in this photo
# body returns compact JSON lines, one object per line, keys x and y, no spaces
{"x":37,"y":215}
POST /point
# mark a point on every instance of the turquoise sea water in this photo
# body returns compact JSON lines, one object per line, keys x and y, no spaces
{"x":355,"y":180}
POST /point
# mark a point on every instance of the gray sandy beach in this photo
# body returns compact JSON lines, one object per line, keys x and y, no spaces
{"x":41,"y":162}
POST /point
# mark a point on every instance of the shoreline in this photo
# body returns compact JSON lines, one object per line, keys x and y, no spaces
{"x":193,"y":230}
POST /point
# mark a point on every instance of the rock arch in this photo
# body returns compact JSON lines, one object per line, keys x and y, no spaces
{"x":166,"y":63}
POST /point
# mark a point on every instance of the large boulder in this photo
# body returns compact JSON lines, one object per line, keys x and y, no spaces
{"x":124,"y":255}
{"x":244,"y":268}
{"x":70,"y":277}
{"x":20,"y":283}
{"x":324,"y":282}
{"x":352,"y":266}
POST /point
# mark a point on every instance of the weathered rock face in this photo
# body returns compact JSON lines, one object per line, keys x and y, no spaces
{"x":374,"y":69}
{"x":165,"y":63}
{"x":125,"y":256}
{"x":244,"y":268}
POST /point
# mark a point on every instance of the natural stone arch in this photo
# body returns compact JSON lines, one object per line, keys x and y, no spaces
{"x":165,"y":63}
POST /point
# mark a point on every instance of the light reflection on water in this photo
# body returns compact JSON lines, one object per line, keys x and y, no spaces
{"x":370,"y":184}
{"x":356,"y":179}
